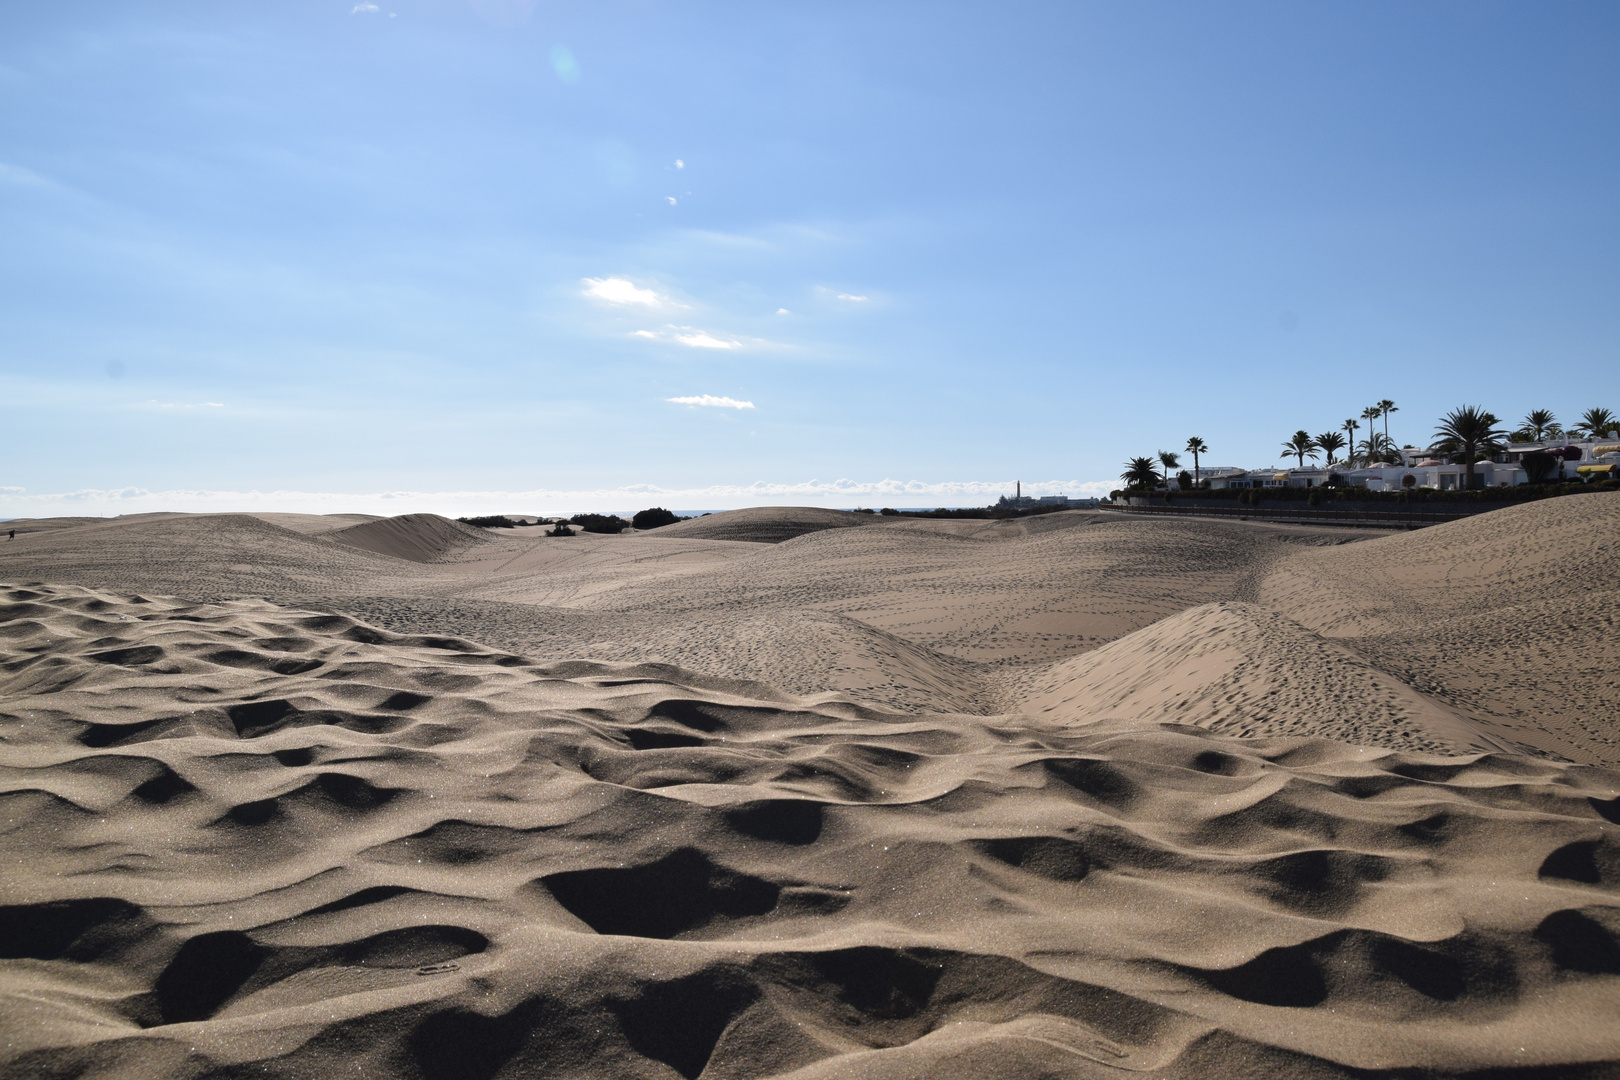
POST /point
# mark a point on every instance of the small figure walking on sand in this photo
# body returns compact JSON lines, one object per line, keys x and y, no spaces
{"x":13,"y":535}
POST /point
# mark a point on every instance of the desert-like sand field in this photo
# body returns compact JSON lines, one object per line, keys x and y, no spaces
{"x":799,"y":793}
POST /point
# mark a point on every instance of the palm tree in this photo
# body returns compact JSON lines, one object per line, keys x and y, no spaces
{"x":1470,"y":431}
{"x":1196,"y":446}
{"x":1386,"y":407}
{"x":1330,"y":441}
{"x":1300,"y":445}
{"x":1170,"y":461}
{"x":1598,"y":423}
{"x":1538,"y":424}
{"x":1350,"y":427}
{"x":1140,"y":473}
{"x":1377,"y":447}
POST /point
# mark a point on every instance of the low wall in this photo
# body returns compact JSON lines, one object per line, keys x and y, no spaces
{"x":1378,"y":517}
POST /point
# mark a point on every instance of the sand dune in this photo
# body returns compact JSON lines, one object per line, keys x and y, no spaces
{"x":764,"y":524}
{"x":896,"y":612}
{"x":415,"y":537}
{"x":1073,"y":796}
{"x":1245,"y":670}
{"x":962,"y":615}
{"x":314,"y":524}
{"x":1512,"y":618}
{"x":250,"y":840}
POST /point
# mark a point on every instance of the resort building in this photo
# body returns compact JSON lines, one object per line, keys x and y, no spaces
{"x":1269,"y":478}
{"x":1433,"y":468}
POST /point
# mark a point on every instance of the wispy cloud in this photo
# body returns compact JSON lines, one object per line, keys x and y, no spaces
{"x":365,"y":9}
{"x":843,"y":492}
{"x":855,"y":299}
{"x":16,"y":174}
{"x":698,"y":339}
{"x":614,"y":290}
{"x":712,"y":402}
{"x":689,"y":336}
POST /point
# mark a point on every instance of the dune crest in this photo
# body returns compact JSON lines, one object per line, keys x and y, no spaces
{"x":1244,"y":670}
{"x":254,"y":840}
{"x":764,"y":524}
{"x":414,"y":537}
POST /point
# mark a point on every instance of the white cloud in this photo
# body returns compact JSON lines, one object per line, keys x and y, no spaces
{"x":783,"y":311}
{"x":856,"y":299}
{"x":698,"y":339}
{"x":671,"y":199}
{"x":690,"y":336}
{"x":679,"y":164}
{"x":365,"y":9}
{"x":711,"y":401}
{"x":614,"y":290}
{"x":843,"y":492}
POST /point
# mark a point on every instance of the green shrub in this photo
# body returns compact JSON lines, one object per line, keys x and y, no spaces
{"x":493,"y":521}
{"x":560,"y":529}
{"x":1538,"y":466}
{"x":947,"y":512}
{"x":600,"y":523}
{"x":654,"y":518}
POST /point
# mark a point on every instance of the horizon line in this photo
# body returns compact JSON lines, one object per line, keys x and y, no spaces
{"x":836,"y":494}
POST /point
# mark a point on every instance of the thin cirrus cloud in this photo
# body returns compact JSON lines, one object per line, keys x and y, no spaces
{"x":691,"y":337}
{"x":16,"y":174}
{"x":853,"y":298}
{"x":614,"y":290}
{"x":712,"y":402}
{"x":365,"y":9}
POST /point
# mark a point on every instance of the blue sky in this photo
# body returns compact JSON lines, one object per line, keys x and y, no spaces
{"x":470,"y":253}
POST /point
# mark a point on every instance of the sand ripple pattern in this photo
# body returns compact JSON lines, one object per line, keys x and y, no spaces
{"x":248,"y":840}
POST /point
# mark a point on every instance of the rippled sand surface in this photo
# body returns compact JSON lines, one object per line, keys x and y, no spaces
{"x":1127,"y":800}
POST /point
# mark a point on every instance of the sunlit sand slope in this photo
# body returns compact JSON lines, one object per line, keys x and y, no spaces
{"x":416,"y":537}
{"x":764,"y":524}
{"x":1243,"y":670}
{"x":247,"y":840}
{"x":1511,"y":617}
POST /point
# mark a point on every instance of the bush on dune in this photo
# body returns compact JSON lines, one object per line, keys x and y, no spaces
{"x":492,"y":521}
{"x":653,"y":518}
{"x":599,"y":523}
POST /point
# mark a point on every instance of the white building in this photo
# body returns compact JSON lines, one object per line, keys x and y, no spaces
{"x":1431,"y":468}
